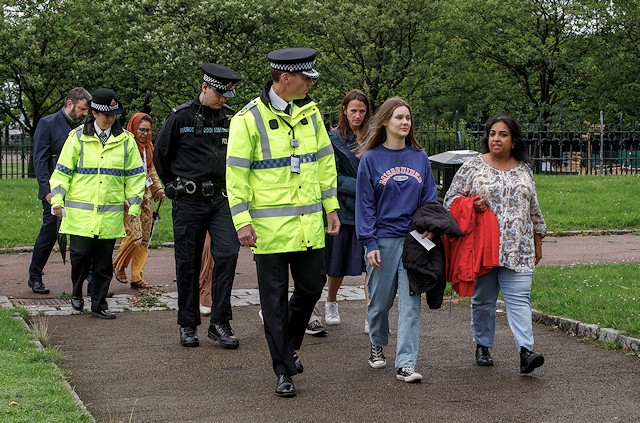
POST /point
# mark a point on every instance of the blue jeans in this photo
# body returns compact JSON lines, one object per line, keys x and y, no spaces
{"x":383,"y":285}
{"x":516,"y":290}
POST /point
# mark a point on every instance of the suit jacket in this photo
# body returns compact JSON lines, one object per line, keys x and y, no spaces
{"x":50,"y":135}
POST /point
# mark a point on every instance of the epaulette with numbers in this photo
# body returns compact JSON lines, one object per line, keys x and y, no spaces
{"x":248,"y":106}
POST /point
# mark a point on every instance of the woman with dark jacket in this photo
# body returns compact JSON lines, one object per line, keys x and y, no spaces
{"x":344,"y":255}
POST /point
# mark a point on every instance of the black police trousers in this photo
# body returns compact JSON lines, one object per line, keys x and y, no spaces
{"x":285,"y":320}
{"x":85,"y":252}
{"x":193,"y":216}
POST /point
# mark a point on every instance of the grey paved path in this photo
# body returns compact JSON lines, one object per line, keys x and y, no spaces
{"x":133,"y":368}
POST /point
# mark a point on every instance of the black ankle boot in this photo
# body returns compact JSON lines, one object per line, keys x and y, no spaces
{"x":529,"y":361}
{"x":483,"y":356}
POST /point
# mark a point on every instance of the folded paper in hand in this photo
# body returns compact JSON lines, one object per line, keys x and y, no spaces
{"x":426,"y":242}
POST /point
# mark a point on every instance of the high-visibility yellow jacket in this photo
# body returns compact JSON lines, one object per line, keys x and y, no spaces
{"x":93,"y":182}
{"x":284,"y":208}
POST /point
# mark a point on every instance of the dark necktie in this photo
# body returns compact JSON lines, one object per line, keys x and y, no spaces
{"x":287,"y":109}
{"x":103,"y":137}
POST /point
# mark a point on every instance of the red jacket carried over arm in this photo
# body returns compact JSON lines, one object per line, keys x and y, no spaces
{"x":476,"y":252}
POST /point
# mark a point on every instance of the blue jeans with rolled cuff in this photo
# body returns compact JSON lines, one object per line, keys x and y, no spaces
{"x":516,"y":293}
{"x":383,"y":285}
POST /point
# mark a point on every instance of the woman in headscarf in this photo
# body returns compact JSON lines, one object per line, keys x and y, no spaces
{"x":134,"y":246}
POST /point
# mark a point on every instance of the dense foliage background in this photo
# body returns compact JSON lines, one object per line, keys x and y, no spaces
{"x":533,"y":59}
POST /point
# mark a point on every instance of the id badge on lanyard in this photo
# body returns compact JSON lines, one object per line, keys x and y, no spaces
{"x":295,"y":160}
{"x":295,"y":164}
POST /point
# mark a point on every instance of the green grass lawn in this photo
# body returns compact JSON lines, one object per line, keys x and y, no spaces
{"x":589,"y":202}
{"x":22,"y":215}
{"x":604,"y":294}
{"x":32,"y":388}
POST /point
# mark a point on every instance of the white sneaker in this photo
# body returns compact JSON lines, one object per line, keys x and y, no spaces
{"x":204,"y":310}
{"x":261,"y":318}
{"x":331,"y":315}
{"x":408,"y":374}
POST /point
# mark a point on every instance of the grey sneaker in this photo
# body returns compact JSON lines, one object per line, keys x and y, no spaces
{"x":408,"y":374}
{"x":331,"y":315}
{"x":377,"y":359}
{"x":315,"y":328}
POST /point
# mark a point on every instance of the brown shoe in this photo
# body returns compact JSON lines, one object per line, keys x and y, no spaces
{"x":121,"y":275}
{"x":140,"y":284}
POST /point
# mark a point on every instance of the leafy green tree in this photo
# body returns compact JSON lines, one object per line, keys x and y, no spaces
{"x":238,"y":34}
{"x":532,"y":49}
{"x":45,"y":52}
{"x":612,"y":67}
{"x":384,"y":48}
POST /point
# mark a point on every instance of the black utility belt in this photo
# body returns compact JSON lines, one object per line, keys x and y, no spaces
{"x":182,"y":186}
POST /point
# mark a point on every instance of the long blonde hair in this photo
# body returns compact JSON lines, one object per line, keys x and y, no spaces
{"x":377,"y":132}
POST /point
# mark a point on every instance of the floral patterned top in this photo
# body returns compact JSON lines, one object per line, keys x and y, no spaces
{"x":511,"y":195}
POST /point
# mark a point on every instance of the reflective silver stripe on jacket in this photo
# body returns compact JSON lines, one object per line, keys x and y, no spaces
{"x":239,"y":208}
{"x":134,"y":200}
{"x":89,"y":206}
{"x":58,"y":190}
{"x":78,"y":205}
{"x":114,"y":208}
{"x":124,"y":164}
{"x":79,"y":135}
{"x":328,"y":193}
{"x":238,"y":162}
{"x":264,"y":138}
{"x":285,"y":211}
{"x":325,"y":151}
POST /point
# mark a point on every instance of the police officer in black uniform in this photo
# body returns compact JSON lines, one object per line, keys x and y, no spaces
{"x":190,"y":154}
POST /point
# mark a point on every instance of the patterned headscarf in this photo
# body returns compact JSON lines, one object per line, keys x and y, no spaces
{"x":147,"y":145}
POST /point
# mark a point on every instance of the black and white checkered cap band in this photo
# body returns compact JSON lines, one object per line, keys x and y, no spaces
{"x":293,"y":67}
{"x":104,"y":107}
{"x":214,"y":83}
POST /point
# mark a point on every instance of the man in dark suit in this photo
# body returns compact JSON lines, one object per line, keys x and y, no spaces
{"x":50,"y":135}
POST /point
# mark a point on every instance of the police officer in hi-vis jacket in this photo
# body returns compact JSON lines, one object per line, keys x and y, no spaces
{"x":281,"y":177}
{"x":98,"y":172}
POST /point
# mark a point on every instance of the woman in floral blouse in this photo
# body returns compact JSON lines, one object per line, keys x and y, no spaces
{"x":502,"y":179}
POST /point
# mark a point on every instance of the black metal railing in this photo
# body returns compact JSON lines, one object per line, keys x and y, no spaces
{"x":16,"y":160}
{"x":555,"y":147}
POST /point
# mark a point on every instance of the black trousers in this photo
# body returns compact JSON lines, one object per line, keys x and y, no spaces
{"x":44,"y":243}
{"x":85,"y":251}
{"x":285,"y":320}
{"x":193,"y":216}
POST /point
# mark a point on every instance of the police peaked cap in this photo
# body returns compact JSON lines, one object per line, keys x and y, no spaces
{"x":105,"y":101}
{"x":297,"y":59}
{"x":221,"y":79}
